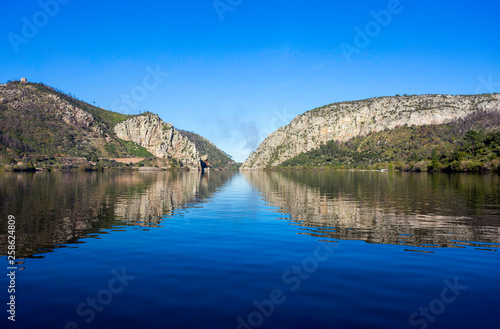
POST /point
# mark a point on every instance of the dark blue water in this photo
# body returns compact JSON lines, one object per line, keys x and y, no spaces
{"x":266,"y":250}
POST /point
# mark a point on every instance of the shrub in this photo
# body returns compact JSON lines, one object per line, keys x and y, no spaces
{"x":473,"y":165}
{"x":421,"y":166}
{"x":409,"y":166}
{"x":436,"y":166}
{"x":5,"y":160}
{"x":85,"y":167}
{"x":494,"y":165}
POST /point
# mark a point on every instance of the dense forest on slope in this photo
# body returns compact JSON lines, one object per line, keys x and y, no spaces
{"x":469,"y":144}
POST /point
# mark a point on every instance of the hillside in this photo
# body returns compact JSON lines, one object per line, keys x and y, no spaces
{"x":469,"y":144}
{"x":39,"y":122}
{"x":35,"y":119}
{"x":341,"y":122}
{"x":217,"y":158}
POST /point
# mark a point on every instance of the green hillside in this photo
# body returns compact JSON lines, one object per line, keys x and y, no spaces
{"x":470,"y":144}
{"x":108,"y":118}
{"x":216,"y":157}
{"x":45,"y":127}
{"x":34,"y":122}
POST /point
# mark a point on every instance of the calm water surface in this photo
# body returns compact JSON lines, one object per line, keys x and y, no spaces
{"x":252,"y":250}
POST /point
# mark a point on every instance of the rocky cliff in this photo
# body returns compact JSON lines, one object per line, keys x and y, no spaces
{"x":343,"y":121}
{"x":159,"y":138}
{"x":37,"y":121}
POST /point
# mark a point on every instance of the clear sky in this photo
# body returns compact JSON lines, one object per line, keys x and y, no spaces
{"x":236,"y":70}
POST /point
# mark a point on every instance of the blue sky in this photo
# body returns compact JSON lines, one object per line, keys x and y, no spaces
{"x":236,"y":70}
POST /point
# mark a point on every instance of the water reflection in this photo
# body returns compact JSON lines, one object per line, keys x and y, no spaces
{"x":167,"y":192}
{"x":56,"y":209}
{"x":394,"y":208}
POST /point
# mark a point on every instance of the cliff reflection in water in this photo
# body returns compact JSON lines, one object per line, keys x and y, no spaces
{"x":430,"y":210}
{"x":55,"y":209}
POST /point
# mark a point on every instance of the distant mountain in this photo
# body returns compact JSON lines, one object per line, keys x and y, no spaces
{"x":346,"y":122}
{"x":37,"y":120}
{"x":216,"y":157}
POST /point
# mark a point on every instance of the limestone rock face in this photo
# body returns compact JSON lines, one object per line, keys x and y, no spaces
{"x":159,"y":138}
{"x":75,"y":116}
{"x":343,"y":121}
{"x":38,"y":119}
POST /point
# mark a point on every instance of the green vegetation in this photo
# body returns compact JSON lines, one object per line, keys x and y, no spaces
{"x":216,"y":157}
{"x":66,"y":133}
{"x":33,"y":122}
{"x":148,"y":162}
{"x":468,"y":145}
{"x":37,"y":131}
{"x":135,"y":149}
{"x":110,"y":118}
{"x":49,"y":163}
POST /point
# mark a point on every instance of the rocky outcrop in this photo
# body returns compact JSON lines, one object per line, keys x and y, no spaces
{"x":159,"y":138}
{"x":37,"y":119}
{"x":27,"y":97}
{"x":343,"y":121}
